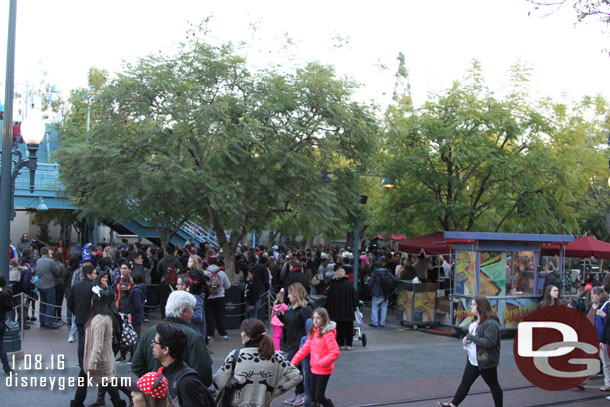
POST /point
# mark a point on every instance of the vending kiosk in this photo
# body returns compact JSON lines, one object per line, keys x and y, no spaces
{"x":501,"y":266}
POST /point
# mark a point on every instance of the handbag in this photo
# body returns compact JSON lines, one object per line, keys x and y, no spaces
{"x":129,"y":337}
{"x":226,"y":394}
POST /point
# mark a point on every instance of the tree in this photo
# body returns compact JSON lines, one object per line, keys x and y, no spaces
{"x":467,"y":160}
{"x":66,"y":218}
{"x":585,"y":9}
{"x":209,"y":138}
{"x":587,"y":125}
{"x":99,"y":178}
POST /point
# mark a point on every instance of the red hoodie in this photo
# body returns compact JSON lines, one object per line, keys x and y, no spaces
{"x":324,"y":350}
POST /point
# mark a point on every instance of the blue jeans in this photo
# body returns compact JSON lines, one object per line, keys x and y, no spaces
{"x":300,"y":388}
{"x":379,"y":304}
{"x":71,"y":317}
{"x":81,"y":344}
{"x":254,"y":312}
{"x":47,"y":305}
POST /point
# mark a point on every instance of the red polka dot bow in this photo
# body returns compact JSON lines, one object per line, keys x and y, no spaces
{"x":153,"y":384}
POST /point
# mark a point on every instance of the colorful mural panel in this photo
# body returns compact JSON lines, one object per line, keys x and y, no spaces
{"x":492,"y":280}
{"x":510,"y":311}
{"x":465,"y":273}
{"x":419,"y":306}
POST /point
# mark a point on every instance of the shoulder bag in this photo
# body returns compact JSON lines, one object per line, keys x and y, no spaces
{"x":226,"y":394}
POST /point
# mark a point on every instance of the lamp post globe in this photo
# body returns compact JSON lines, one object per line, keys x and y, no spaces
{"x":388,"y":183}
{"x":33,"y":129}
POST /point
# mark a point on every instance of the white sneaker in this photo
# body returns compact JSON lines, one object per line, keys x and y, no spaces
{"x":70,"y":340}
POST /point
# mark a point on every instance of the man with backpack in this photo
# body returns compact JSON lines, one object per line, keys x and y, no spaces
{"x":382,"y":284}
{"x":167,"y":270}
{"x":185,"y":388}
{"x":218,"y":282}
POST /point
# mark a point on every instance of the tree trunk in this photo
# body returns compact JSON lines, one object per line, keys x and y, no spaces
{"x":162,"y":240}
{"x":228,"y":254}
{"x":68,"y":236}
{"x":229,"y":245}
{"x":62,"y":229}
{"x":272,"y":236}
{"x":163,"y":236}
{"x":309,"y":243}
{"x":349,"y":237}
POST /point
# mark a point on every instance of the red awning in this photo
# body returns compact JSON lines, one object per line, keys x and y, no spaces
{"x":433,"y":244}
{"x":582,"y":247}
{"x":394,"y":237}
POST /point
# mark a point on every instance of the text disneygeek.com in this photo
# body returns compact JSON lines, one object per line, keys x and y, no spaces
{"x":15,"y":380}
{"x":35,"y":363}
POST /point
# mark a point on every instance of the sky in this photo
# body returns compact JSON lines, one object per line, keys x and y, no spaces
{"x":58,"y":41}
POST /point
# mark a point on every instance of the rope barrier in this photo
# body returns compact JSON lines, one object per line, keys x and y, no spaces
{"x":268,"y":295}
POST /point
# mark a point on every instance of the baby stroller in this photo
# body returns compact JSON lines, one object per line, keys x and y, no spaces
{"x":359,"y":326}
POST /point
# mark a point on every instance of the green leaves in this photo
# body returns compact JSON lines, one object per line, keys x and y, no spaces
{"x":467,"y":160}
{"x":198,"y":133}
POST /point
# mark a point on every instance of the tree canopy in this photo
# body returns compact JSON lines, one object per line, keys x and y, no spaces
{"x":469,"y":160}
{"x":198,"y":134}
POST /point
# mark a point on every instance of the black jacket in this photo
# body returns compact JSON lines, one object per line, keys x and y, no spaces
{"x":341,"y":300}
{"x":6,"y":303}
{"x":168,"y":262}
{"x":196,"y":353}
{"x":263,"y":275}
{"x":79,"y":300}
{"x":138,"y":271}
{"x":296,"y":276}
{"x":294,"y":325}
{"x":185,"y":388}
{"x":253,"y":290}
{"x":552,"y":279}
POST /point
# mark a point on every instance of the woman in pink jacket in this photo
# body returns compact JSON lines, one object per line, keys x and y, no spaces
{"x":322,"y":347}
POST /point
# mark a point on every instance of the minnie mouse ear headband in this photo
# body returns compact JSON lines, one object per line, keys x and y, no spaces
{"x":153,"y":384}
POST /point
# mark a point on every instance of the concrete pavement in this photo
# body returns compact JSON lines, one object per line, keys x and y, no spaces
{"x":398,"y":367}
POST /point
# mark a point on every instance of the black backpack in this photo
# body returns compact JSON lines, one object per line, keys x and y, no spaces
{"x":173,"y":386}
{"x":387,"y":283}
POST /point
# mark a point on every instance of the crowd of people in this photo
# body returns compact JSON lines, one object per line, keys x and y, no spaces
{"x":110,"y":291}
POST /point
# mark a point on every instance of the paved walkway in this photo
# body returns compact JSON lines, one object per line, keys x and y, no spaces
{"x":398,"y":367}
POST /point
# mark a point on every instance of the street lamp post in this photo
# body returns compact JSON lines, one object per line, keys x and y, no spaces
{"x":90,"y":93}
{"x":7,"y":143}
{"x":386,"y":183}
{"x":32,"y":134}
{"x":87,"y":101}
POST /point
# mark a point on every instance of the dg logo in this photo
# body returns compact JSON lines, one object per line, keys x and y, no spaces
{"x":556,"y":348}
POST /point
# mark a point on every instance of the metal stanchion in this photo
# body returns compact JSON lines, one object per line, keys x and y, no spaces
{"x":21,"y":321}
{"x":269,"y":306}
{"x":48,"y":305}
